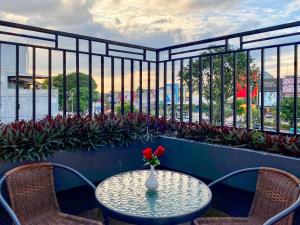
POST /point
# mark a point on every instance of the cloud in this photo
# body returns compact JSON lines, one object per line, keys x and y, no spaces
{"x":154,"y":23}
{"x":136,"y":19}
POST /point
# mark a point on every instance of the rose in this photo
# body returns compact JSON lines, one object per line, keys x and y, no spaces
{"x":160,"y":150}
{"x":147,"y":152}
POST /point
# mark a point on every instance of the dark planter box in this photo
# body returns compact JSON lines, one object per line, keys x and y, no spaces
{"x":96,"y":165}
{"x":212,"y":161}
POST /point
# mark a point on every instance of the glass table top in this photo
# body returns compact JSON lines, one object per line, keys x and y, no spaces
{"x":177,"y":194}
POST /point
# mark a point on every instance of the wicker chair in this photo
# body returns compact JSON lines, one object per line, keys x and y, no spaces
{"x":276,"y":197}
{"x":32,"y":196}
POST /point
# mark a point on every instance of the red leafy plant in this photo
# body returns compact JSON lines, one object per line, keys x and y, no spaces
{"x":151,"y":158}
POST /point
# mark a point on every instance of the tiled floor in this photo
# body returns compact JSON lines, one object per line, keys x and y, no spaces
{"x":97,"y":215}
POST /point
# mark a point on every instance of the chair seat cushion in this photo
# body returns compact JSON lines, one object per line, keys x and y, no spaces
{"x":60,"y":219}
{"x":226,"y":221}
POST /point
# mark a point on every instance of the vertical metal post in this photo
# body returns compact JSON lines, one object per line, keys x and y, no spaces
{"x":122,"y":87}
{"x":278,"y":92}
{"x":77,"y":79}
{"x":33,"y":83}
{"x":56,"y":41}
{"x":165,"y":91}
{"x":17,"y":82}
{"x":157,"y":86}
{"x":181,"y":90}
{"x":141,"y":88}
{"x":222,"y":90}
{"x":262,"y":102}
{"x":106,"y":49}
{"x":90,"y":79}
{"x":241,"y":42}
{"x":102,"y":85}
{"x":149,"y":88}
{"x":49,"y":82}
{"x":211,"y":89}
{"x":173,"y":91}
{"x":131,"y":85}
{"x":234,"y":88}
{"x":144,"y":54}
{"x":200,"y":65}
{"x":226,"y":45}
{"x":248,"y":106}
{"x":112,"y":86}
{"x":295,"y":87}
{"x":190,"y":90}
{"x":64,"y":84}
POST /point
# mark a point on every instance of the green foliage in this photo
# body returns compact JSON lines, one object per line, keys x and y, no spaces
{"x":126,"y":108}
{"x":57,"y":82}
{"x":29,"y":140}
{"x":241,"y":67}
{"x":287,"y":109}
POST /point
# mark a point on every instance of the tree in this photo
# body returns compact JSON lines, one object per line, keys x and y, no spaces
{"x":126,"y":108}
{"x":287,"y":110}
{"x":57,"y":82}
{"x":241,"y":65}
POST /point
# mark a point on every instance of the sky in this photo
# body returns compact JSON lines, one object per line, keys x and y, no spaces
{"x":154,"y":23}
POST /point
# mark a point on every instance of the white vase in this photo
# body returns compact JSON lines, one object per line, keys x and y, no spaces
{"x":151,"y":182}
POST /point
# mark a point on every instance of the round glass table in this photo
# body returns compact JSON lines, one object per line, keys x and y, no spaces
{"x":179,"y":198}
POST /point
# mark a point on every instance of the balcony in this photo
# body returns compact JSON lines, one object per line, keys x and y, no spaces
{"x":217,"y":105}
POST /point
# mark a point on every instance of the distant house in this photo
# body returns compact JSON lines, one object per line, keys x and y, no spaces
{"x":8,"y":87}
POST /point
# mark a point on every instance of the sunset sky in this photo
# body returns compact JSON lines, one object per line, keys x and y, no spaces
{"x":154,"y":23}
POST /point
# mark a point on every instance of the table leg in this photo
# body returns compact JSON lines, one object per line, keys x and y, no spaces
{"x":106,"y":219}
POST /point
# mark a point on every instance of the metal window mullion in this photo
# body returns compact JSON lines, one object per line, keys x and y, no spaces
{"x":122,"y":87}
{"x":17,"y":81}
{"x":149,"y":89}
{"x":102,"y":84}
{"x":56,"y":41}
{"x":278,"y":92}
{"x":210,"y":89}
{"x":222,"y":89}
{"x":77,"y":79}
{"x":262,"y":94}
{"x":200,"y":65}
{"x":181,"y":91}
{"x":64,"y":85}
{"x":157,"y":86}
{"x":131,"y":85}
{"x":248,"y":91}
{"x":295,"y":87}
{"x":190,"y":90}
{"x":172,"y":91}
{"x":33,"y":83}
{"x":90,"y":79}
{"x":165,"y":90}
{"x":49,"y":82}
{"x":234,"y":88}
{"x":141,"y":87}
{"x":241,"y":42}
{"x":112,"y":86}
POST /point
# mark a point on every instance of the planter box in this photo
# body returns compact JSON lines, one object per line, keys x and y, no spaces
{"x":205,"y":160}
{"x":96,"y":165}
{"x":213,"y":161}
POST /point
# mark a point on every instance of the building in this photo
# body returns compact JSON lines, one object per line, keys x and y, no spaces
{"x":8,"y":87}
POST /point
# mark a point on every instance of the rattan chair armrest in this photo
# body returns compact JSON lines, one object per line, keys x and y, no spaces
{"x":233,"y":174}
{"x":284,"y":213}
{"x":6,"y":206}
{"x":75,"y":172}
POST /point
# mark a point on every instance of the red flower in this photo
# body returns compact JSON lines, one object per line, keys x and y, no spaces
{"x":159,"y":151}
{"x":147,"y":152}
